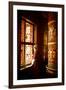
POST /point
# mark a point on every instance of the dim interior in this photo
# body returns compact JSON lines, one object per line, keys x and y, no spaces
{"x":37,"y":44}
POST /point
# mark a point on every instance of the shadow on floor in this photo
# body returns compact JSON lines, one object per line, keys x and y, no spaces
{"x":33,"y":73}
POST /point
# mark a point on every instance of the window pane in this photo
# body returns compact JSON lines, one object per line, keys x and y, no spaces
{"x":35,"y":34}
{"x":22,"y":30}
{"x":29,"y":33}
{"x":28,"y":54}
{"x":22,"y":55}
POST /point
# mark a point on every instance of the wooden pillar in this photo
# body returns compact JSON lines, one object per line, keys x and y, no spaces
{"x":52,"y":42}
